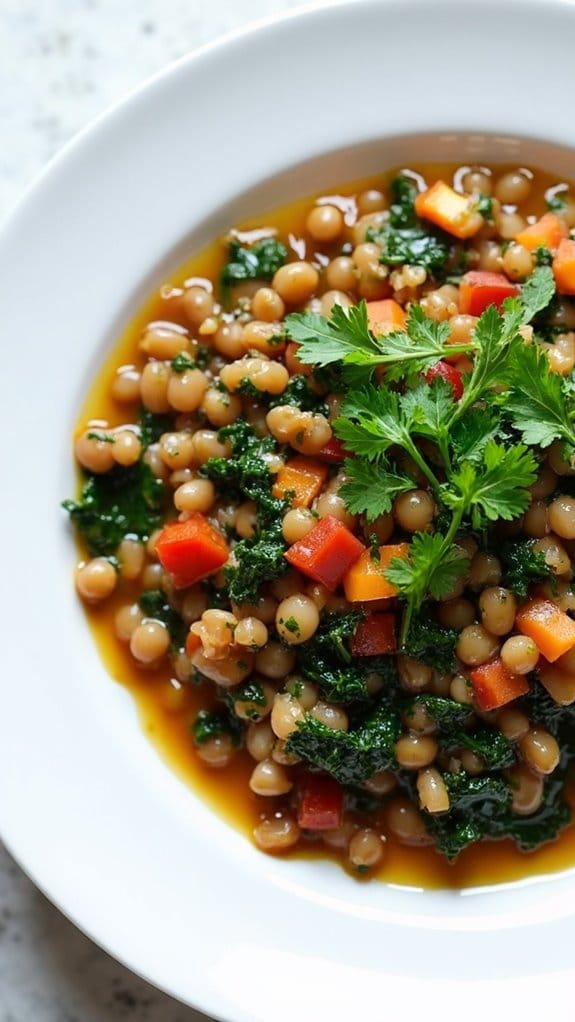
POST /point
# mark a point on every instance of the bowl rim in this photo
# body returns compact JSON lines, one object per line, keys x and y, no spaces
{"x":286,"y":884}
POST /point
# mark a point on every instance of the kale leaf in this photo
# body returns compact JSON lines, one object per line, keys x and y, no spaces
{"x":429,"y":642}
{"x":213,"y":723}
{"x":154,"y":604}
{"x":256,"y":262}
{"x":349,"y":756}
{"x":121,"y":502}
{"x":152,"y":425}
{"x":299,"y":393}
{"x":522,"y":565}
{"x":407,"y":239}
{"x":245,"y":476}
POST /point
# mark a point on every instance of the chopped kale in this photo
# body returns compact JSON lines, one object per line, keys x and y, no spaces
{"x":152,"y":426}
{"x":529,"y":832}
{"x":488,"y":743}
{"x":468,"y":792}
{"x":476,"y":804}
{"x":429,"y":642}
{"x":330,"y":638}
{"x":405,"y":238}
{"x":299,"y":393}
{"x":258,"y":262}
{"x":121,"y":502}
{"x":326,"y":660}
{"x":556,"y":203}
{"x":485,"y":207}
{"x":259,"y":559}
{"x":211,"y":724}
{"x":453,"y":832}
{"x":349,"y":756}
{"x":154,"y":604}
{"x":246,"y":477}
{"x":183,"y":361}
{"x":522,"y":565}
{"x":250,"y":692}
{"x":450,"y":716}
{"x":543,"y":256}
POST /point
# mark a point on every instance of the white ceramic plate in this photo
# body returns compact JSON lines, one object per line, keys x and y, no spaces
{"x":86,"y":804}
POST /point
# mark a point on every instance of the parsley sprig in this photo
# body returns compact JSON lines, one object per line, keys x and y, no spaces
{"x":402,"y":428}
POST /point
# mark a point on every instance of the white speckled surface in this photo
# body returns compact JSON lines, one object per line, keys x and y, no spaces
{"x":61,"y":63}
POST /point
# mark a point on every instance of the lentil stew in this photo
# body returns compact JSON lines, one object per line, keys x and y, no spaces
{"x":327,"y":524}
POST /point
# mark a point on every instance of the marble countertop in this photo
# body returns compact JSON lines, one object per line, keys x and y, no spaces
{"x":61,"y":63}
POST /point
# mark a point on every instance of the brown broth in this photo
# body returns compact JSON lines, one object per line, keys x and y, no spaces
{"x":167,"y":709}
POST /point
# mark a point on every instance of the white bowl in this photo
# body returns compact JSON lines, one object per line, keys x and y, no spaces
{"x":86,"y":805}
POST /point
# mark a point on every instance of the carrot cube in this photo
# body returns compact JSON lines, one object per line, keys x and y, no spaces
{"x":551,"y":629}
{"x":384,"y":316}
{"x":494,"y":686}
{"x":564,"y":267}
{"x":302,"y":476}
{"x":453,"y":212}
{"x":545,"y":233}
{"x":366,"y":580}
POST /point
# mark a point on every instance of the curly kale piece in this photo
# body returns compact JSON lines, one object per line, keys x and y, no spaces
{"x":299,"y":393}
{"x":154,"y":604}
{"x":405,"y":238}
{"x":433,"y":645}
{"x":115,"y":504}
{"x":522,"y":565}
{"x":255,"y":262}
{"x":349,"y":756}
{"x":213,"y":723}
{"x":326,"y":659}
{"x":450,"y":716}
{"x":245,"y":476}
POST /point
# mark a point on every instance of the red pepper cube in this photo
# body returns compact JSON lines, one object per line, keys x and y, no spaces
{"x":375,"y":635}
{"x":479,"y":289}
{"x":450,"y":374}
{"x":321,"y":802}
{"x":333,"y":452}
{"x":191,"y":550}
{"x":327,"y":552}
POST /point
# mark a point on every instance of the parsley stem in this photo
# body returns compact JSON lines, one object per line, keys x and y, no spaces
{"x":416,"y":599}
{"x":412,"y":450}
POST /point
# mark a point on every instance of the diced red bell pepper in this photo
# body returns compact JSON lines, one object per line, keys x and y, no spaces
{"x":191,"y":550}
{"x":494,"y":686}
{"x":479,"y":289}
{"x":374,"y":635}
{"x":333,"y":452}
{"x":326,"y":553}
{"x":321,"y":802}
{"x":450,"y":374}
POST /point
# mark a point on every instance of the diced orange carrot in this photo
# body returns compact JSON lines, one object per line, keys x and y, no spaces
{"x":304,"y":476}
{"x":564,"y":267}
{"x":384,"y":316}
{"x":293,"y":364}
{"x":494,"y":686}
{"x":453,"y":212}
{"x":365,"y":580}
{"x":559,"y":683}
{"x":551,"y":629}
{"x":545,"y":233}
